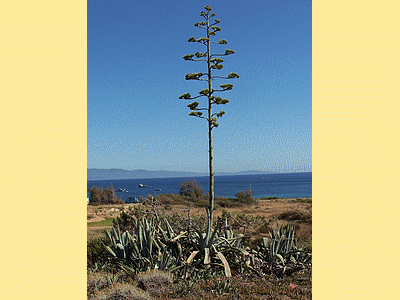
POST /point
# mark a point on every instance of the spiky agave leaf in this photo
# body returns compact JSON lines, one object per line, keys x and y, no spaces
{"x":207,"y":259}
{"x":227,"y":269}
{"x":191,"y":257}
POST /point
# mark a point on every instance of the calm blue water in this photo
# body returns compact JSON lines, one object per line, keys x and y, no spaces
{"x":286,"y":185}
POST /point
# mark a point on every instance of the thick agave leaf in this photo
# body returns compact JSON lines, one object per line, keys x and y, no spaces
{"x":111,"y":251}
{"x":207,"y":259}
{"x":119,"y":234}
{"x":191,"y":257}
{"x":226,"y":265}
{"x":265,"y":242}
{"x":280,"y":258}
{"x":169,"y":229}
{"x":164,"y":234}
{"x":200,"y":239}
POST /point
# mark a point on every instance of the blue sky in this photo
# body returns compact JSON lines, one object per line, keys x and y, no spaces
{"x":136,"y":74}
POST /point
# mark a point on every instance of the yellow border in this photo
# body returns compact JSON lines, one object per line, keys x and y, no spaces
{"x":355,"y":63}
{"x":44,"y":143}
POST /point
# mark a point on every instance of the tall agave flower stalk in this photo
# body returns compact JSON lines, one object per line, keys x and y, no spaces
{"x":214,"y":63}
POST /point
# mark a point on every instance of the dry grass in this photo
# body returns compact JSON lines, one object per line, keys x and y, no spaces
{"x":155,"y":282}
{"x":122,"y":291}
{"x":96,"y":282}
{"x":277,"y":212}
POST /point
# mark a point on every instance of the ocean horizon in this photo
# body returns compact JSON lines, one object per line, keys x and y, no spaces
{"x":283,"y":185}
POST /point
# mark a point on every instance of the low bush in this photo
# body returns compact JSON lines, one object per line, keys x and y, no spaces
{"x":302,"y":216}
{"x":96,"y":254}
{"x":107,"y":196}
{"x":121,"y":291}
{"x":96,"y":282}
{"x":245,"y":197}
{"x":192,"y":190}
{"x":304,"y":200}
{"x":270,"y":198}
{"x":155,"y":282}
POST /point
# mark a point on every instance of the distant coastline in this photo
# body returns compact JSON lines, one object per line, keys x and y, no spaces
{"x":104,"y":174}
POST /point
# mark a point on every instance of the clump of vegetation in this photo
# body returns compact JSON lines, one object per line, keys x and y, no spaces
{"x":242,"y":198}
{"x":199,"y":254}
{"x":96,"y":254}
{"x":193,"y":191}
{"x":107,"y":222}
{"x":155,"y":282}
{"x":96,"y":282}
{"x":270,"y":198}
{"x":245,"y":197}
{"x":99,"y":196}
{"x":304,"y":200}
{"x":301,"y":216}
{"x":122,"y":291}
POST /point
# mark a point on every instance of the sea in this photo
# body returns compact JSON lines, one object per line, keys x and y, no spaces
{"x":282,"y":185}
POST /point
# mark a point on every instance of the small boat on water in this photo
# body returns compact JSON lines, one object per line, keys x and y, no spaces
{"x":157,"y":189}
{"x":142,"y":185}
{"x":119,"y":190}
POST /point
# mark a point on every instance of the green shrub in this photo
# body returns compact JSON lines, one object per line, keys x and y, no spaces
{"x":245,"y":197}
{"x":107,"y":196}
{"x":96,"y":254}
{"x":191,"y":190}
{"x":264,"y":228}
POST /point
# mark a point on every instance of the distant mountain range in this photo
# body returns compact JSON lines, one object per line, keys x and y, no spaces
{"x":99,"y":174}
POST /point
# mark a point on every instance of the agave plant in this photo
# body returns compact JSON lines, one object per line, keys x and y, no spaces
{"x":144,"y":249}
{"x":280,"y":254}
{"x":279,"y":245}
{"x":213,"y":245}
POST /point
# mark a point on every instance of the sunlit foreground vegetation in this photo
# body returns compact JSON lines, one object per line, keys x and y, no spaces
{"x":166,"y":248}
